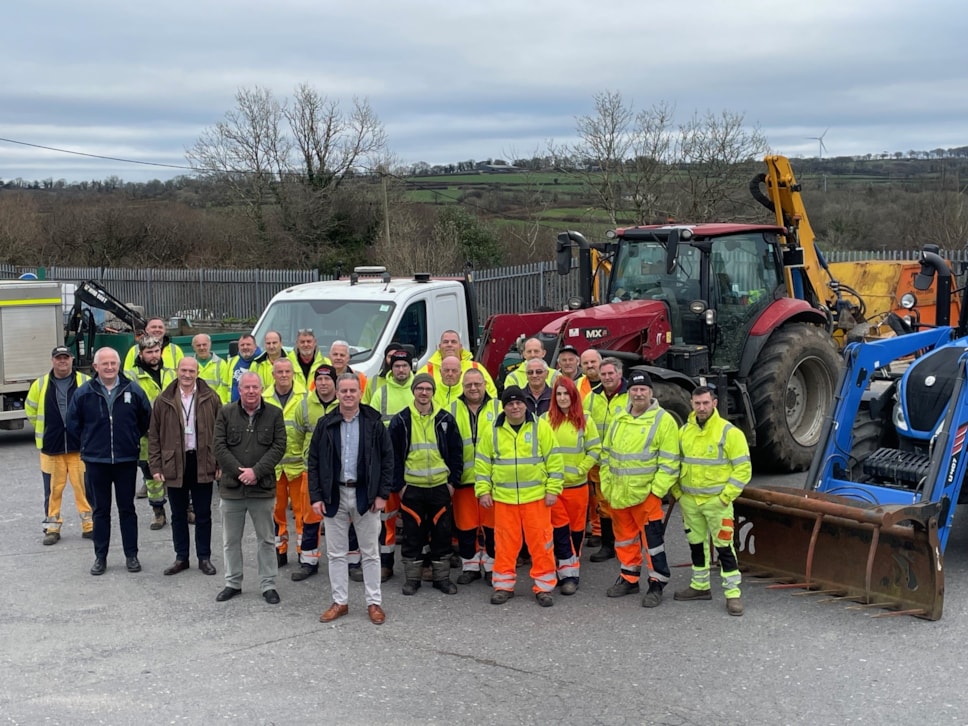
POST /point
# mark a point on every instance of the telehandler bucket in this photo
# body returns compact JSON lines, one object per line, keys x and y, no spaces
{"x":879,"y":556}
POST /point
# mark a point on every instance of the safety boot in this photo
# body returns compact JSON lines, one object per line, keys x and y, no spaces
{"x":159,"y":520}
{"x":442,"y":577}
{"x":356,"y":572}
{"x":304,"y":572}
{"x":607,"y":552}
{"x":569,"y":586}
{"x":691,"y":593}
{"x":734,"y":606}
{"x":622,"y":587}
{"x":652,"y":598}
{"x":468,"y":576}
{"x":411,"y":576}
{"x":51,"y":538}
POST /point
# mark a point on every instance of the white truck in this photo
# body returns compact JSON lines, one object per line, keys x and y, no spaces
{"x":31,"y":325}
{"x":370,"y":309}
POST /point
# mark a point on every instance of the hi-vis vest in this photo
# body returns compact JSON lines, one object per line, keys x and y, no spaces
{"x":391,"y":398}
{"x":715,"y":459}
{"x":471,"y":427}
{"x":212,"y":372}
{"x":310,"y":410}
{"x":36,"y":403}
{"x":424,"y":466}
{"x":580,"y":450}
{"x":640,"y":456}
{"x":518,"y":467}
{"x":292,"y":463}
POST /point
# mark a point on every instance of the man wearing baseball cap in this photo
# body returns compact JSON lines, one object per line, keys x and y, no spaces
{"x":520,"y":474}
{"x":640,"y":464}
{"x":60,"y":453}
{"x":568,"y":362}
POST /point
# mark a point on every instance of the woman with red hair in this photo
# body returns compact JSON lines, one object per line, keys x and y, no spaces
{"x":580,"y":448}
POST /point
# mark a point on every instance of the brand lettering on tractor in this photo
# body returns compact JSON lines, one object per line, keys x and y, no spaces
{"x":951,"y":469}
{"x":595,"y":333}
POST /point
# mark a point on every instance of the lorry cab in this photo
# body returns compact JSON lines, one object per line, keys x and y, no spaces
{"x":369,"y":310}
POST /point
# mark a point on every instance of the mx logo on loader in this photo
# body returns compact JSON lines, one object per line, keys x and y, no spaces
{"x":595,"y":333}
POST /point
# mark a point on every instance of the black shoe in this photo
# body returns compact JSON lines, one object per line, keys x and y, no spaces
{"x":132,"y":564}
{"x":604,"y":554}
{"x":445,"y":586}
{"x":227,"y":594}
{"x":282,"y":559}
{"x":356,"y":573}
{"x":499,"y":597}
{"x":410,"y":587}
{"x":622,"y":587}
{"x":99,"y":567}
{"x":653,"y":598}
{"x":271,"y":597}
{"x":88,"y":535}
{"x":468,"y":576}
{"x":206,"y":567}
{"x":304,"y":572}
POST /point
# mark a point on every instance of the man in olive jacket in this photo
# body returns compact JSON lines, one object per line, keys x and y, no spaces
{"x":250,"y":439}
{"x":181,"y":454}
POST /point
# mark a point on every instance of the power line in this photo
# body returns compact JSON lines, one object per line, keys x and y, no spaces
{"x":98,"y":156}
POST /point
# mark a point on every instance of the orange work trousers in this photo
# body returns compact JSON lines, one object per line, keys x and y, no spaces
{"x":534,"y":520}
{"x":628,"y":524}
{"x":290,"y":490}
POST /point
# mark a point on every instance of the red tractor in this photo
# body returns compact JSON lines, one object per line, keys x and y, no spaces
{"x":704,"y":303}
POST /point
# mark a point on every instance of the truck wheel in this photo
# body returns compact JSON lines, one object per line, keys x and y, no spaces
{"x":674,"y":399}
{"x":792,"y":387}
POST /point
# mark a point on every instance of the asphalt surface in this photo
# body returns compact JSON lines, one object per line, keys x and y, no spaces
{"x":143,"y":648}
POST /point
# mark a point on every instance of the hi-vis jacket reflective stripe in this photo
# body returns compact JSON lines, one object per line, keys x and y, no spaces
{"x":640,"y":456}
{"x":292,"y":464}
{"x":603,"y":409}
{"x":170,"y":355}
{"x":424,"y":466}
{"x":466,"y":361}
{"x":310,"y":410}
{"x":518,"y":467}
{"x":392,"y":397}
{"x":152,"y":390}
{"x":35,"y":406}
{"x":580,"y":450}
{"x":471,"y":427}
{"x":715,"y":459}
{"x":212,"y":372}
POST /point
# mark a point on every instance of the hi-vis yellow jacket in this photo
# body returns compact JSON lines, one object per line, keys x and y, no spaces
{"x":580,"y":450}
{"x":640,"y":456}
{"x":518,"y":467}
{"x":715,"y":460}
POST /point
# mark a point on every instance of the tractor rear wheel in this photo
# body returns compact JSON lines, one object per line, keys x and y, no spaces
{"x":674,"y":399}
{"x":792,"y":387}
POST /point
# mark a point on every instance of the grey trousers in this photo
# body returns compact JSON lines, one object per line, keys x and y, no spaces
{"x":233,"y":527}
{"x":337,"y":543}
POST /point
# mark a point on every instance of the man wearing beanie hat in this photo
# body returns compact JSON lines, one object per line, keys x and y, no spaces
{"x":640,"y":464}
{"x":520,"y":473}
{"x":314,"y":406}
{"x":393,"y":396}
{"x":428,"y":459}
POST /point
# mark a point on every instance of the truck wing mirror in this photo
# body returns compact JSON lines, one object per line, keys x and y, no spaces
{"x":672,"y":251}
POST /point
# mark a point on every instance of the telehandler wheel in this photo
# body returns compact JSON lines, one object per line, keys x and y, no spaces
{"x":792,"y":387}
{"x":673,"y":398}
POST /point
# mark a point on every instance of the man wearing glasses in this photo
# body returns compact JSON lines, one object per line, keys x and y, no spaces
{"x":538,"y":391}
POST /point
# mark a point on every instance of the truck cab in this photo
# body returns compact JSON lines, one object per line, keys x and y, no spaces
{"x":370,"y":309}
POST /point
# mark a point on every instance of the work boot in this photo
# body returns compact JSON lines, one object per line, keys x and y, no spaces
{"x":426,"y":572}
{"x":607,"y":552}
{"x":468,"y":576}
{"x":191,"y":514}
{"x":593,"y":540}
{"x":304,"y":572}
{"x":411,"y":576}
{"x":160,"y":520}
{"x":282,"y":559}
{"x":569,"y":586}
{"x":143,"y":491}
{"x":499,"y":597}
{"x":442,"y":577}
{"x":622,"y":587}
{"x":88,"y":535}
{"x":691,"y":593}
{"x":652,"y":598}
{"x":356,"y":572}
{"x":544,"y":599}
{"x":734,"y":606}
{"x":51,"y":538}
{"x":456,"y":562}
{"x":385,"y":573}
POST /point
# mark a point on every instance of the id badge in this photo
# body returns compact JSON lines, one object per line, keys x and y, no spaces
{"x":127,"y":396}
{"x":189,"y":429}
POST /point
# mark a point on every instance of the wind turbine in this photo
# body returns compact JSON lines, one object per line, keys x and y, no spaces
{"x":819,"y":139}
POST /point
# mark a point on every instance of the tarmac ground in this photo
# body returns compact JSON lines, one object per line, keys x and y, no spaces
{"x":127,"y":648}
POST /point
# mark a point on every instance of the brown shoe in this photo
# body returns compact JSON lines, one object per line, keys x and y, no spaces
{"x":179,"y":566}
{"x":377,"y":616}
{"x":334,"y":611}
{"x":734,"y":606}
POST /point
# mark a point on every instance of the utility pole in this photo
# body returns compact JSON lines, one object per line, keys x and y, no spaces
{"x":386,"y":205}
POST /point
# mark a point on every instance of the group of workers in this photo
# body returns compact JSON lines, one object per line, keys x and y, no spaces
{"x":495,"y":481}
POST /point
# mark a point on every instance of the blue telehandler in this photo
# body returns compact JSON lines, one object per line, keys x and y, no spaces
{"x":873,"y":518}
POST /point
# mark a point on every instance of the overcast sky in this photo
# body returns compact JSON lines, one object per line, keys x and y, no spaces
{"x":474,"y":79}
